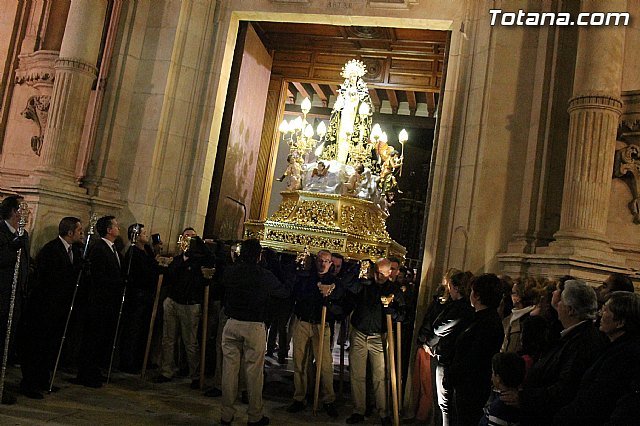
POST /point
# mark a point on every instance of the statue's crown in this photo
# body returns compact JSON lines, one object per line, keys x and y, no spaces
{"x":354,"y":68}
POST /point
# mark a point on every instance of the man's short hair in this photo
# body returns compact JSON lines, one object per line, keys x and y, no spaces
{"x":621,"y":282}
{"x":103,"y":224}
{"x":67,"y":224}
{"x":625,"y":306}
{"x":8,"y":205}
{"x":581,"y":298}
{"x":488,"y":288}
{"x":188,"y":228}
{"x":395,"y":259}
{"x":132,"y":228}
{"x":250,"y":250}
{"x":337,"y":256}
{"x":323,"y":251}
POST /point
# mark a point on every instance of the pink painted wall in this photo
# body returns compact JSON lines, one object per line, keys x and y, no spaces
{"x":244,"y":137}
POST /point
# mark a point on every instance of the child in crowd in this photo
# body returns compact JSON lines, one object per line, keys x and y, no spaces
{"x":508,"y":374}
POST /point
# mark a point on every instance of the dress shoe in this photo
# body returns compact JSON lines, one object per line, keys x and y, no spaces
{"x":161,"y":379}
{"x":296,"y":407}
{"x":54,"y":389}
{"x":330,"y":409}
{"x":385,"y":421}
{"x":30,"y":392}
{"x":195,"y":384}
{"x":282,"y":360}
{"x":262,"y":422}
{"x":213,"y":393}
{"x":8,"y":398}
{"x":355,"y":418}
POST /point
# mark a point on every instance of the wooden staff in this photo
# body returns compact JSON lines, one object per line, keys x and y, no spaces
{"x":392,"y":362}
{"x":205,"y":322}
{"x":154,"y":312}
{"x":342,"y":340}
{"x":399,"y":364}
{"x":316,"y":392}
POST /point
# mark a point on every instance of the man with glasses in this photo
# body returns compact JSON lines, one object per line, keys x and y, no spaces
{"x":313,"y":288}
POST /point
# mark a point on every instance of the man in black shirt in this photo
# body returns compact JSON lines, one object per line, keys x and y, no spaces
{"x":368,"y":333}
{"x":247,"y":290}
{"x":183,"y":307}
{"x":312,"y":289}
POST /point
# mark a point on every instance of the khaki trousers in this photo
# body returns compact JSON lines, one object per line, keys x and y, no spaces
{"x":368,"y":348}
{"x":180,"y":320}
{"x":305,"y":339}
{"x":246,"y":340}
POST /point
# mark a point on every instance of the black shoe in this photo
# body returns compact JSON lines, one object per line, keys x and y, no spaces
{"x":30,"y":393}
{"x":296,"y":407}
{"x":369,"y":410}
{"x":8,"y":398}
{"x":244,"y":397}
{"x":161,"y":379}
{"x":54,"y":389}
{"x":262,"y":422}
{"x":330,"y":409}
{"x":385,"y":421}
{"x":103,"y":378}
{"x":213,"y":393}
{"x":282,"y":360}
{"x":226,"y":422}
{"x":195,"y":384}
{"x":355,"y":418}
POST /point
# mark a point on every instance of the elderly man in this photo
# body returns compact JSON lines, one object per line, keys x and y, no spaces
{"x":611,"y":375}
{"x":313,"y":289}
{"x":553,"y":381}
{"x":614,"y":282}
{"x":368,"y":334}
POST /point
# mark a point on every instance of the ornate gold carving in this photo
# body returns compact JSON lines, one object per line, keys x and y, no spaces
{"x":365,"y":223}
{"x":367,"y":250}
{"x":315,"y":213}
{"x":37,"y":110}
{"x":284,"y":210}
{"x":302,"y":240}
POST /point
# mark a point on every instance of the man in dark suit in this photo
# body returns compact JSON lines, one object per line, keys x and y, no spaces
{"x":58,"y":265}
{"x":10,"y":242}
{"x":105,"y":293}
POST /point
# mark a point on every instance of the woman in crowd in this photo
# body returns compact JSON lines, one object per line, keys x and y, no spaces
{"x":524,"y":295}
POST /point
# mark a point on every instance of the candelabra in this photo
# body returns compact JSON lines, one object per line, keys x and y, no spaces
{"x":299,"y":134}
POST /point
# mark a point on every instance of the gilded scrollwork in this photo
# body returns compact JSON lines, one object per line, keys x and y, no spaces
{"x":360,"y":221}
{"x":314,"y":213}
{"x":284,"y":211}
{"x":370,"y":250}
{"x":300,"y":239}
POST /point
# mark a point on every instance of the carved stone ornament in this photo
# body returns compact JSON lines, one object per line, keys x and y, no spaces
{"x":37,"y":69}
{"x":37,"y":110}
{"x":627,"y":166}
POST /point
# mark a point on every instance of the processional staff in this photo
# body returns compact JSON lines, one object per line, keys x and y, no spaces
{"x":23,"y":212}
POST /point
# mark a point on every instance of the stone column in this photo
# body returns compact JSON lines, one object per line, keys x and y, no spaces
{"x":593,"y":120}
{"x":75,"y":73}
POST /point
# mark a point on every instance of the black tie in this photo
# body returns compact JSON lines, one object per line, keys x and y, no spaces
{"x":70,"y":253}
{"x":113,"y":247}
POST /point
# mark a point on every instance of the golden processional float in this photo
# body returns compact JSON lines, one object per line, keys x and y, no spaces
{"x":340,"y":186}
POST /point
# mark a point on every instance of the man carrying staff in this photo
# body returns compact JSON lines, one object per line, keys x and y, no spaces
{"x":312,"y":289}
{"x":368,"y":335}
{"x":248,"y":287}
{"x":183,"y":307}
{"x":10,"y":242}
{"x":105,"y":294}
{"x":58,"y":264}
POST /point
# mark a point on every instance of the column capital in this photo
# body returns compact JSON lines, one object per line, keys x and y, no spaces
{"x":596,"y":101}
{"x":76,"y":64}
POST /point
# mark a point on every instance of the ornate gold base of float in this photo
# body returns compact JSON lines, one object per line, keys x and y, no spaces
{"x":347,"y":225}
